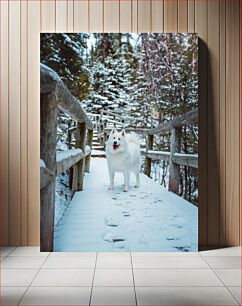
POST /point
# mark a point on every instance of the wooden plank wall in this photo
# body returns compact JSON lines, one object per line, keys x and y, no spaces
{"x":217,"y":24}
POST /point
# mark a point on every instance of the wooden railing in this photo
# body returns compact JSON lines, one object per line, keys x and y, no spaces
{"x":174,"y":157}
{"x":103,"y":123}
{"x":54,"y":95}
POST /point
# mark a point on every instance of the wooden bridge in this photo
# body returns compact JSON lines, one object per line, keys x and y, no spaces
{"x":97,"y":218}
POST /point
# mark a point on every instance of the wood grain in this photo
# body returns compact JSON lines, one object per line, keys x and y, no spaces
{"x":81,"y":16}
{"x":134,"y":20}
{"x":171,"y":15}
{"x":182,"y":15}
{"x":4,"y":113}
{"x":222,"y":122}
{"x":111,"y":16}
{"x":96,"y":16}
{"x":70,"y":16}
{"x":201,"y":28}
{"x":24,"y":125}
{"x":125,"y":16}
{"x":157,"y":20}
{"x":14,"y":121}
{"x":34,"y":26}
{"x":144,"y":16}
{"x":213,"y":123}
{"x":232,"y":122}
{"x":48,"y":16}
{"x":191,"y":16}
{"x":61,"y":16}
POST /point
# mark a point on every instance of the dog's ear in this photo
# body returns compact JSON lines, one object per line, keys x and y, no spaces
{"x":123,"y":132}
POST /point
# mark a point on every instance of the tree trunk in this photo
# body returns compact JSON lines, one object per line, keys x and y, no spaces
{"x":174,"y":168}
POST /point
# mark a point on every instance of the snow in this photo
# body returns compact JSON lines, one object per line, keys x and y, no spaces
{"x":42,"y":164}
{"x":62,"y":196}
{"x":159,"y":152}
{"x":98,"y":152}
{"x":185,"y":155}
{"x":146,"y":219}
{"x":61,"y":155}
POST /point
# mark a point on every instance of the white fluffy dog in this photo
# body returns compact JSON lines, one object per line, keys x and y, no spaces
{"x":123,"y":155}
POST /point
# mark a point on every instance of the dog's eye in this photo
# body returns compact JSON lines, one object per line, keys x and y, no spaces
{"x":114,"y":137}
{"x":118,"y":138}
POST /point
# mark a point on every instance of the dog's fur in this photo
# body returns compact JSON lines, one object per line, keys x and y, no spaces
{"x":123,"y":155}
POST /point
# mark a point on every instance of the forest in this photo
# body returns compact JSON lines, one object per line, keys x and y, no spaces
{"x":150,"y":76}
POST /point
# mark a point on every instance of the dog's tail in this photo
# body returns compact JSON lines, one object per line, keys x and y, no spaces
{"x":132,"y":137}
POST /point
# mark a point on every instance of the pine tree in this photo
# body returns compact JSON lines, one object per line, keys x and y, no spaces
{"x":65,"y":54}
{"x":111,"y":72}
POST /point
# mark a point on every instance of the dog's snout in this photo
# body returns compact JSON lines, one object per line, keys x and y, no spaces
{"x":115,"y":142}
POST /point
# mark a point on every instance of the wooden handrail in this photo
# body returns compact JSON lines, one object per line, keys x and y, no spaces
{"x":50,"y":81}
{"x":188,"y":118}
{"x":55,"y":94}
{"x":175,"y":158}
{"x":189,"y":160}
{"x":64,"y":161}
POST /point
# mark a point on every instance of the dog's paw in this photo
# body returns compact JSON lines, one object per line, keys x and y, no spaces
{"x":137,"y":186}
{"x":111,"y":188}
{"x":126,"y":189}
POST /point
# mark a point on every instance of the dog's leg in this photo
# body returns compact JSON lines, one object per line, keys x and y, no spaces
{"x":126,"y":181}
{"x":111,"y":178}
{"x":137,"y":179}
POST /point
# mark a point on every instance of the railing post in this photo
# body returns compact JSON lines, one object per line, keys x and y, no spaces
{"x":105,"y":135}
{"x":78,"y":170}
{"x":69,"y":136}
{"x":149,"y":146}
{"x":99,"y":128}
{"x":103,"y":125}
{"x":69,"y":140}
{"x":89,"y":143}
{"x":48,"y":115}
{"x":174,"y":172}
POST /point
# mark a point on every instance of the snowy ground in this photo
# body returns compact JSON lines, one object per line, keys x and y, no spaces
{"x":145,"y":219}
{"x":62,"y":196}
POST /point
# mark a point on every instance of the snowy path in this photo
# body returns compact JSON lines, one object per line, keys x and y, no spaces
{"x":145,"y":219}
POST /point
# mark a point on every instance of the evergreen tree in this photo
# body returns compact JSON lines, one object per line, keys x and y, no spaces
{"x":66,"y":54}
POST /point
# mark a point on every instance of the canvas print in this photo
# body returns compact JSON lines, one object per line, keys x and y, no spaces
{"x":119,"y":142}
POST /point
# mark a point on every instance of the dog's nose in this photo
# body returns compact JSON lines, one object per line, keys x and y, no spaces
{"x":115,"y":142}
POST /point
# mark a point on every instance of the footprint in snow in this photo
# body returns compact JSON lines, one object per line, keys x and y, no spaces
{"x":171,"y":239}
{"x":183,"y":249}
{"x":111,"y":222}
{"x":118,"y":240}
{"x":176,"y":225}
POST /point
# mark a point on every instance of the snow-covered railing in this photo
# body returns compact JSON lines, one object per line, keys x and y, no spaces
{"x":175,"y":158}
{"x":64,"y":161}
{"x":54,"y":94}
{"x":189,"y":160}
{"x":67,"y":159}
{"x":186,"y":119}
